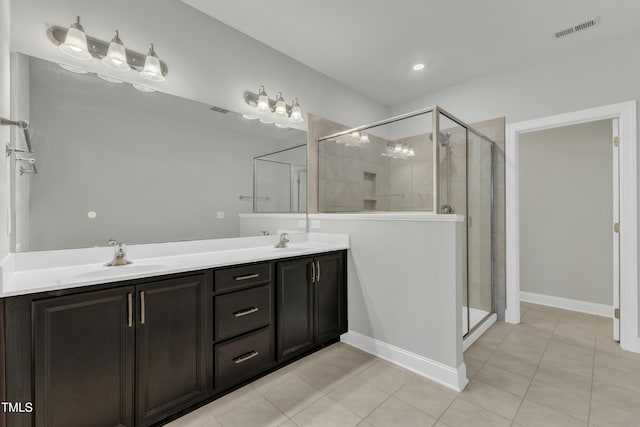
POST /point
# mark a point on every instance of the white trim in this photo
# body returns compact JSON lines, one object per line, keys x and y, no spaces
{"x":477,"y":333}
{"x":625,"y":112}
{"x":448,"y":376}
{"x":391,"y":216}
{"x":568,"y":304}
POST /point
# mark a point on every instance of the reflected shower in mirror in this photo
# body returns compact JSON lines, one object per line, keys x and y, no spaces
{"x":115,"y":162}
{"x":280,"y":181}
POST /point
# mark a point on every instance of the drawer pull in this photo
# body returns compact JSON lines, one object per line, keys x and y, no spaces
{"x":247,"y":277}
{"x":245,"y":357}
{"x":245,"y":311}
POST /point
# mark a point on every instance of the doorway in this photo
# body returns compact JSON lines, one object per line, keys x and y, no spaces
{"x":623,"y":249}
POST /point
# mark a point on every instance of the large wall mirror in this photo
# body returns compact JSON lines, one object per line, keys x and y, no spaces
{"x":115,"y":162}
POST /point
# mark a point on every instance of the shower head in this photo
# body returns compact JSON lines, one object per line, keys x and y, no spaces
{"x":443,"y":138}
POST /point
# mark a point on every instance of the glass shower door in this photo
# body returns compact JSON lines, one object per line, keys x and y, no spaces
{"x":479,"y":229}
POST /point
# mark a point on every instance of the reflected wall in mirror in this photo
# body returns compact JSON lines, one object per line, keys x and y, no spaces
{"x":280,"y":181}
{"x":115,"y":162}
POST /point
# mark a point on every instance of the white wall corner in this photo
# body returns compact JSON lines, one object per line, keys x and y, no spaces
{"x":448,"y":376}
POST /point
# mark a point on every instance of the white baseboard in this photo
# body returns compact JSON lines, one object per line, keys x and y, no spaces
{"x":452,"y":378}
{"x":482,"y":328}
{"x":568,"y":304}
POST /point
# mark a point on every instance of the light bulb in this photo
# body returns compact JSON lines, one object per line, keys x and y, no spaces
{"x":263,"y":100}
{"x":364,"y":138}
{"x":411,"y":152}
{"x":281,"y":106}
{"x":355,"y":135}
{"x":296,"y":112}
{"x":116,"y":58}
{"x":152,"y":69}
{"x":75,"y":43}
{"x":397,"y":148}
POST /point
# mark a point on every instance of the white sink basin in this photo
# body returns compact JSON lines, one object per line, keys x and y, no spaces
{"x":121,"y":270}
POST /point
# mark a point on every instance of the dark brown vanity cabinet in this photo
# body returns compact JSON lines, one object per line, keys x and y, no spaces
{"x":243,"y":323}
{"x":139,"y":352}
{"x":84,"y":359}
{"x":96,"y":353}
{"x":311,"y":303}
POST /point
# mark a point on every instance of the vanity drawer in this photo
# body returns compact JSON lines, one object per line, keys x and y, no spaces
{"x":242,"y":311}
{"x":243,"y":357}
{"x":245,"y":275}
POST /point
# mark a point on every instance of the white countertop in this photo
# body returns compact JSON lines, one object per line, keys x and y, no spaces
{"x":31,"y":272}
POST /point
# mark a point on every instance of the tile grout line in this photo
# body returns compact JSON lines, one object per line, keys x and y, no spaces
{"x":534,"y":373}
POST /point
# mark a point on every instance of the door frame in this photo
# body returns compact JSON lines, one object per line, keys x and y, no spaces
{"x":625,"y":112}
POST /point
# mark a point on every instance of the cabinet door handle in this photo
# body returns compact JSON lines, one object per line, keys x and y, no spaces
{"x":318,"y":272}
{"x":130,"y":309}
{"x":142,"y":308}
{"x":245,"y":311}
{"x":247,"y":277}
{"x":245,"y":357}
{"x":313,"y":272}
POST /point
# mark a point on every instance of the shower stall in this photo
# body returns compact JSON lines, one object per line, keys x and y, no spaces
{"x":427,"y":160}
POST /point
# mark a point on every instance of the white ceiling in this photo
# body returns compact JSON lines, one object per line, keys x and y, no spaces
{"x":370,"y":45}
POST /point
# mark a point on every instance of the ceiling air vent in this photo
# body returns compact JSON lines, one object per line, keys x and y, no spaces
{"x":219,"y":110}
{"x":580,"y":27}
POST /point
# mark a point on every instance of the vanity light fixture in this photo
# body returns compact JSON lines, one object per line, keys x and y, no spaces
{"x":272,"y":111}
{"x":281,"y":107}
{"x":116,"y":58}
{"x":75,"y":42}
{"x":152,"y":69}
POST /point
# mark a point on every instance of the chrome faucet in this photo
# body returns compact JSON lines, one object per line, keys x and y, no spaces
{"x":283,"y":241}
{"x":119,"y":255}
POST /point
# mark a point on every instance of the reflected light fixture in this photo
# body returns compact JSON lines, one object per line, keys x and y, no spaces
{"x":417,"y":67}
{"x":271,"y":111}
{"x":399,"y":151}
{"x":75,"y":43}
{"x":73,"y":69}
{"x":143,"y":88}
{"x":109,"y":79}
{"x":116,"y":58}
{"x":152,"y":69}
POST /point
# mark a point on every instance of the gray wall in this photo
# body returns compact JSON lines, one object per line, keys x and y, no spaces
{"x":153,"y":167}
{"x":566,"y":213}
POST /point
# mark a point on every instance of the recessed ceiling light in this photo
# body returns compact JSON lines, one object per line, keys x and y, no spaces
{"x":417,"y":67}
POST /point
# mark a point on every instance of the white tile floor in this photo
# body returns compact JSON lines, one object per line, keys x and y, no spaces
{"x":557,"y":368}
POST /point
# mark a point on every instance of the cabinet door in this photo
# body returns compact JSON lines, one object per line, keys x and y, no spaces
{"x":170,"y":347}
{"x":294,"y":307}
{"x":330,"y":298}
{"x":84,"y":359}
